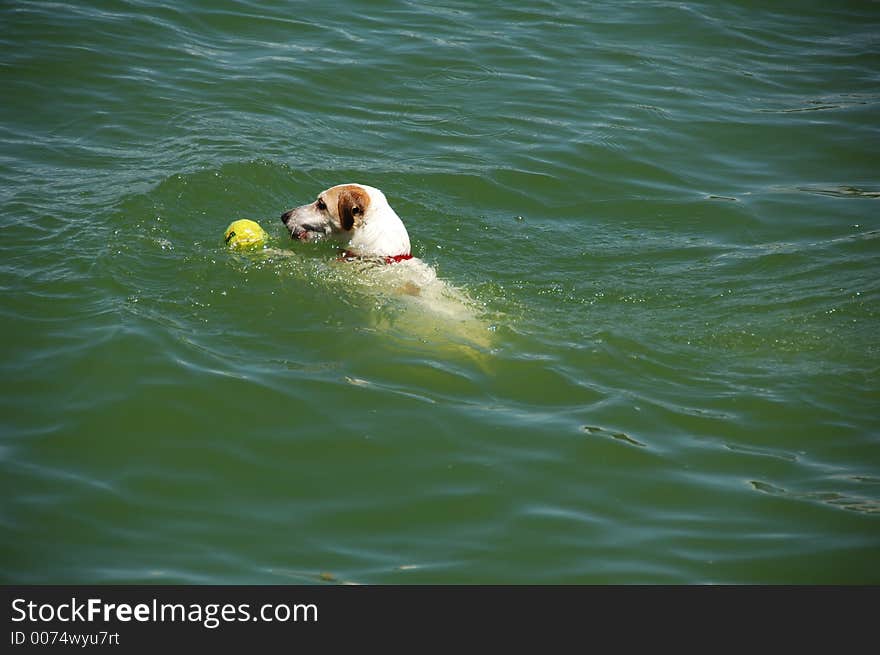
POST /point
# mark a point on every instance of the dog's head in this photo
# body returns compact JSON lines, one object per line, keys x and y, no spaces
{"x":356,"y":214}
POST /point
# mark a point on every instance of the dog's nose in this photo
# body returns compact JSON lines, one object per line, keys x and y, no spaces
{"x":286,"y":216}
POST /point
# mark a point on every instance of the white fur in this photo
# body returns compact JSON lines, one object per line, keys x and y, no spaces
{"x":380,"y":232}
{"x":383,"y":233}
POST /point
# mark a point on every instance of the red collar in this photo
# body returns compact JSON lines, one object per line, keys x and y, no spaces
{"x":388,"y":259}
{"x":397,"y":258}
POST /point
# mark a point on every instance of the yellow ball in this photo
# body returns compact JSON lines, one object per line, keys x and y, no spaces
{"x":244,"y":233}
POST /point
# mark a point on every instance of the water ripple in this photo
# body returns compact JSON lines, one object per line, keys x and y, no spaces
{"x":662,"y":214}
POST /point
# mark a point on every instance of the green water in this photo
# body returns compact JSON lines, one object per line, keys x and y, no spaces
{"x":666,"y":212}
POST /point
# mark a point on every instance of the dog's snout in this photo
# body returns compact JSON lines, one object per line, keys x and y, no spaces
{"x":285,"y":217}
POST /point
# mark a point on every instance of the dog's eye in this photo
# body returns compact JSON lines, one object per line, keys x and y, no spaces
{"x":321,"y":205}
{"x":355,"y":211}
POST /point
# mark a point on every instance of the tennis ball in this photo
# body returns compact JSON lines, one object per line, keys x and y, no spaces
{"x":244,"y":233}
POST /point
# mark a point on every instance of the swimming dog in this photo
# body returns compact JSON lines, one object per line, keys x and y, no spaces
{"x":373,"y":237}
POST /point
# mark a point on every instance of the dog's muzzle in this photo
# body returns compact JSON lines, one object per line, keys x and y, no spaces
{"x":300,"y":231}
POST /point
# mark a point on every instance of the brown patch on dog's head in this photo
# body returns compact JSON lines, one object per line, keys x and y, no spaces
{"x":351,"y":205}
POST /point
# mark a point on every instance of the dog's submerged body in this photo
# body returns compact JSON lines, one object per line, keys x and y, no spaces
{"x":376,"y":245}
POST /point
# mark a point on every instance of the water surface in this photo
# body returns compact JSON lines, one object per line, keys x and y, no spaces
{"x":666,"y":213}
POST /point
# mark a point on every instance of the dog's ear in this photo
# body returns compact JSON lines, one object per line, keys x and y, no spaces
{"x":350,"y":206}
